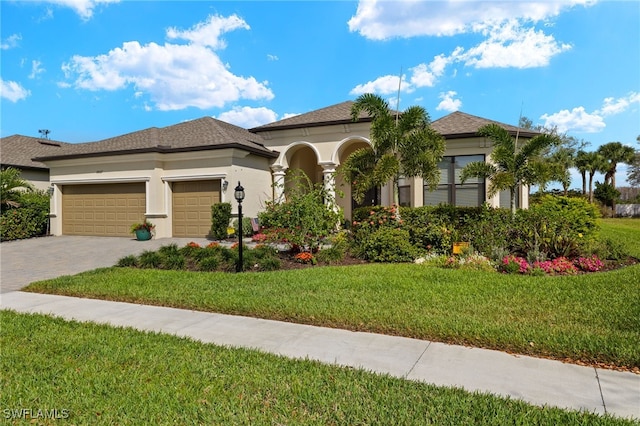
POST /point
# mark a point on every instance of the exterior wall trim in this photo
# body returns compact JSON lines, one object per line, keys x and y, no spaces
{"x":183,"y":178}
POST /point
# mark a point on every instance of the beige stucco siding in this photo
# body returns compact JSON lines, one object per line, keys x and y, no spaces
{"x":157,"y":172}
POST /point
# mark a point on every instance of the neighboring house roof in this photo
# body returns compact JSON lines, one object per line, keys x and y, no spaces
{"x":18,"y":151}
{"x":201,"y":134}
{"x":461,"y":125}
{"x":334,"y":114}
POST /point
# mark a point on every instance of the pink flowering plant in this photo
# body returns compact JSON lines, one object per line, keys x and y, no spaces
{"x":512,"y":264}
{"x":589,"y":264}
{"x":557,"y":266}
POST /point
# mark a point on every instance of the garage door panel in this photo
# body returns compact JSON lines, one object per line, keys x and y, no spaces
{"x":191,"y":211}
{"x":102,"y":209}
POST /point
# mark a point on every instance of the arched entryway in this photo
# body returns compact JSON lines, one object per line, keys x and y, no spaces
{"x":344,"y":149}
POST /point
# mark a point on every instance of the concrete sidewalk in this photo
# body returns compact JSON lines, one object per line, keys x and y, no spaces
{"x":534,"y":380}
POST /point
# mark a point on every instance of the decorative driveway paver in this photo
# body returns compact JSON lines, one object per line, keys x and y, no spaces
{"x":25,"y":261}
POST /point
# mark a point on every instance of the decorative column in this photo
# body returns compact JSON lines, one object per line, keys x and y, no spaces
{"x":329,"y":178}
{"x":278,"y":173}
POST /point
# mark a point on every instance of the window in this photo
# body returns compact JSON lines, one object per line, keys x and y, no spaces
{"x":404,"y":192}
{"x":451,"y":190}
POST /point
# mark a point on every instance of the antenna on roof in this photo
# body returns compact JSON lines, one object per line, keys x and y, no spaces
{"x":398,"y":101}
{"x":519,"y":120}
{"x":44,"y":133}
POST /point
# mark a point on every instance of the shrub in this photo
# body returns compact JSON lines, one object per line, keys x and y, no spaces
{"x":247,"y":227}
{"x":303,"y":220}
{"x":127,"y":262}
{"x":556,"y":227}
{"x":388,"y":245}
{"x":29,"y":219}
{"x":331,"y":255}
{"x":150,"y":259}
{"x":209,"y":263}
{"x":220,"y":217}
{"x":305,"y":257}
{"x":173,"y":261}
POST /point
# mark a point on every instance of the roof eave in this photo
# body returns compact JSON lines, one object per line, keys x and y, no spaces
{"x":268,"y":128}
{"x":161,"y":150}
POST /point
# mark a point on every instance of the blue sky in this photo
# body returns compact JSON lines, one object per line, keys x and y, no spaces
{"x":92,"y":69}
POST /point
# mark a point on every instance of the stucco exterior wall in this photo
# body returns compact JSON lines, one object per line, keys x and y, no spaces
{"x":158,"y":171}
{"x":38,"y":178}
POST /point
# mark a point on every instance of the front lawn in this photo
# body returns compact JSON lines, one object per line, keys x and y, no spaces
{"x":590,"y":318}
{"x":95,"y":374}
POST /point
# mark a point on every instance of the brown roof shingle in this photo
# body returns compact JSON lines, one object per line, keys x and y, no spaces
{"x":459,"y":124}
{"x":200,"y":134}
{"x":334,"y":114}
{"x":19,"y":151}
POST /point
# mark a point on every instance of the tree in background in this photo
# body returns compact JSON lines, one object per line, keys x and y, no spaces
{"x":633,"y":175}
{"x":614,"y":153}
{"x":512,"y":161}
{"x":403,"y":145}
{"x":556,"y":160}
{"x":590,"y":162}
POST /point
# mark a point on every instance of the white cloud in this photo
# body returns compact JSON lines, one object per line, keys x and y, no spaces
{"x":84,"y":8}
{"x":576,"y":120}
{"x":13,"y":91}
{"x":511,"y":45}
{"x":36,"y":69}
{"x":448,"y":103}
{"x":208,"y":33}
{"x":381,"y":20}
{"x":612,"y":106}
{"x":174,"y":76}
{"x":289,"y":115}
{"x":272,"y":57}
{"x":10,"y":42}
{"x":384,"y":85}
{"x":248,"y":117}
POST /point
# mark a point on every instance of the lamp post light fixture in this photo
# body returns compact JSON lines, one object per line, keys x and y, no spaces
{"x":239,"y":195}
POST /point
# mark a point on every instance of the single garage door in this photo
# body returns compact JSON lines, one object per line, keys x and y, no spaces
{"x":192,"y":203}
{"x":106,"y":210}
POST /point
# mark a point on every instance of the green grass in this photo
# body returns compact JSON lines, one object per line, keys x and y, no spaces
{"x":591,"y":318}
{"x":103,"y":375}
{"x":625,"y":231}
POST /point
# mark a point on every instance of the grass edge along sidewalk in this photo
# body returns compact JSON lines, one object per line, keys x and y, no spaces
{"x":104,"y":375}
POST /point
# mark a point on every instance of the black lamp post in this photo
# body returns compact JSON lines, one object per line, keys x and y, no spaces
{"x":239,"y":194}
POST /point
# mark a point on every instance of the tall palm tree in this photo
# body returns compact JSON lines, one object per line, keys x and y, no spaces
{"x":561,"y":161}
{"x":593,"y":163}
{"x":582,"y":164}
{"x":511,"y":162}
{"x":403,"y":144}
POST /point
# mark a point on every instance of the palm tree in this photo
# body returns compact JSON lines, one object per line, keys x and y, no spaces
{"x":593,"y":162}
{"x":403,"y":144}
{"x":510,"y":165}
{"x":10,"y":184}
{"x":614,"y":153}
{"x":582,"y":164}
{"x":561,"y":161}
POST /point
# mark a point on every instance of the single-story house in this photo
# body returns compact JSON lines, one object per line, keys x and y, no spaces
{"x":19,"y":151}
{"x":173,"y":175}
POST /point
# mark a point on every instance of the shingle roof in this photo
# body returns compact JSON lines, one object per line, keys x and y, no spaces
{"x":200,"y":134}
{"x":334,"y":114}
{"x":459,"y":124}
{"x":18,"y":151}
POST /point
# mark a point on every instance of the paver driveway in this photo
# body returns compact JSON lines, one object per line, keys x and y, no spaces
{"x":25,"y":261}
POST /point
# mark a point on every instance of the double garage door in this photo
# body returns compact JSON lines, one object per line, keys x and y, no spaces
{"x":106,"y":210}
{"x":110,"y":209}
